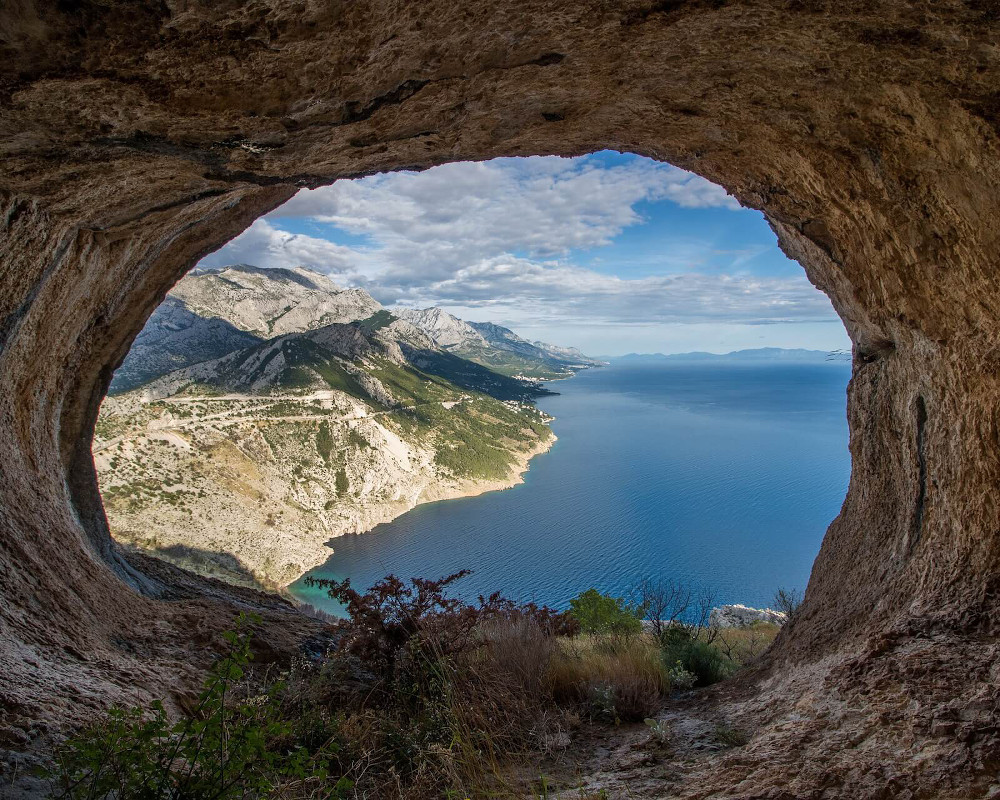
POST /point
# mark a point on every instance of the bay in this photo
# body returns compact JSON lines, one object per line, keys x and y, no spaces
{"x":723,"y":475}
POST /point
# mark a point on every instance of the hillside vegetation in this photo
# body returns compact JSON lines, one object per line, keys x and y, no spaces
{"x":245,"y":467}
{"x":417,"y":695}
{"x":248,"y":459}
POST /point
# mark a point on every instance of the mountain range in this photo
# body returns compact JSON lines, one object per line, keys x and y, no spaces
{"x":752,"y":355}
{"x":262,"y":412}
{"x":497,"y":347}
{"x":211,"y":313}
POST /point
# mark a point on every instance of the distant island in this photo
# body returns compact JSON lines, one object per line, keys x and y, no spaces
{"x":797,"y":355}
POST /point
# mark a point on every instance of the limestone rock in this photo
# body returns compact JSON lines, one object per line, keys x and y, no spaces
{"x":740,"y":616}
{"x":269,"y":302}
{"x":444,"y":329}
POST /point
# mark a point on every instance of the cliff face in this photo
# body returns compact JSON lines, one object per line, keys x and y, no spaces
{"x":270,"y":302}
{"x":444,"y":329}
{"x":137,"y":137}
{"x":175,"y":338}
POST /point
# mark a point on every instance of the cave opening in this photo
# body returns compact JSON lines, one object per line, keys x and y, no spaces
{"x":279,"y":397}
{"x":138,"y":143}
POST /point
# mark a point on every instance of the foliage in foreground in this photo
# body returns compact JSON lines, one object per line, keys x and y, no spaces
{"x":235,"y":744}
{"x":424,"y":695}
{"x":602,"y":614}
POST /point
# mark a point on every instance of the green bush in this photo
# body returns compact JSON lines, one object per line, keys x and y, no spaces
{"x":604,"y":615}
{"x":342,"y":483}
{"x":325,"y":442}
{"x":682,"y":650}
{"x":234,"y":745}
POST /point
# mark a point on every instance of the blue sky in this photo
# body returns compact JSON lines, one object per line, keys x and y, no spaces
{"x":612,"y":253}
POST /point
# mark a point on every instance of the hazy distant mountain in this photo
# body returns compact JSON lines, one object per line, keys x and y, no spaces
{"x":505,"y":339}
{"x":757,"y":354}
{"x":569,"y":355}
{"x":495,"y":346}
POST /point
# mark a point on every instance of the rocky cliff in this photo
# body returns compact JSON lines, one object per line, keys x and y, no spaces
{"x":176,"y":337}
{"x":269,"y":302}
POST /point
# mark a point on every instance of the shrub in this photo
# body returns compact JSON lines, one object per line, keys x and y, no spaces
{"x":233,"y":745}
{"x":787,"y":601}
{"x":437,"y":691}
{"x":680,"y":678}
{"x":395,"y":627}
{"x":324,"y":442}
{"x":682,"y":650}
{"x":665,"y":602}
{"x":728,"y":736}
{"x":602,"y":614}
{"x":420,"y":695}
{"x":342,"y":483}
{"x":742,"y":646}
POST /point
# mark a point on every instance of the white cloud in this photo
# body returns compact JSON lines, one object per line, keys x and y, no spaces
{"x":499,"y":237}
{"x":264,"y":245}
{"x":554,"y":292}
{"x":433,"y":222}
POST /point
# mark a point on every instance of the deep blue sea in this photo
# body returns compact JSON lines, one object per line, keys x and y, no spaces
{"x":724,"y":475}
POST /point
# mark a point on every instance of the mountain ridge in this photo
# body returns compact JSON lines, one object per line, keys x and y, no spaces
{"x":212,"y":312}
{"x":750,"y":354}
{"x":497,"y":347}
{"x":247,"y":462}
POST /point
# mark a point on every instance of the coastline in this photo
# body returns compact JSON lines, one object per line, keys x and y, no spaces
{"x":468,"y":487}
{"x":264,"y":525}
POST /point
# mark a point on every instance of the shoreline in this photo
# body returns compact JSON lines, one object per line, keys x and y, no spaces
{"x":468,"y":487}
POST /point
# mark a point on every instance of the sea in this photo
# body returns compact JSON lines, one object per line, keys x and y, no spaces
{"x":721,"y":475}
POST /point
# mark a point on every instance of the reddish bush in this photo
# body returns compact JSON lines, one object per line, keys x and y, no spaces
{"x":392,"y":618}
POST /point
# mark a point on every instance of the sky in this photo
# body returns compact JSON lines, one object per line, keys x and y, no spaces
{"x":612,"y":253}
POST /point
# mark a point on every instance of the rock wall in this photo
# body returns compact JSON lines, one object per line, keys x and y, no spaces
{"x":137,"y":137}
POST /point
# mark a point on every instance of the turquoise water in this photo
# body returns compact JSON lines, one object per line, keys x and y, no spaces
{"x":723,"y":475}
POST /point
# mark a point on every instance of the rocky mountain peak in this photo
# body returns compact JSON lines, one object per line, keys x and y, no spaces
{"x":272,"y":301}
{"x":444,"y":329}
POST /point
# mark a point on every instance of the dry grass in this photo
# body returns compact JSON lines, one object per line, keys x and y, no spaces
{"x":743,"y":646}
{"x":500,"y":686}
{"x":625,"y":679}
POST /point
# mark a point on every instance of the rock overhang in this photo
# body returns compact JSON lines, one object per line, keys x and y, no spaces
{"x":139,"y":137}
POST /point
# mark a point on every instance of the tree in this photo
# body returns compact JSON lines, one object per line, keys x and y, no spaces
{"x":665,"y":601}
{"x":342,"y":482}
{"x":602,"y":614}
{"x":787,"y":601}
{"x":669,"y":605}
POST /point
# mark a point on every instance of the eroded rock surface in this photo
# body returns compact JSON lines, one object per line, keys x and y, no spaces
{"x":137,"y":137}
